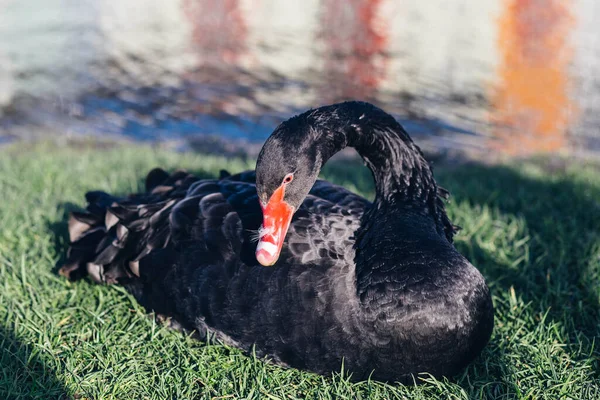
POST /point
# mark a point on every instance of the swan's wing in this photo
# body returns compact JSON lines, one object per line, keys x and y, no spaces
{"x":114,"y":238}
{"x":213,"y":218}
{"x":322,"y":232}
{"x":340,"y":196}
{"x":184,"y":249}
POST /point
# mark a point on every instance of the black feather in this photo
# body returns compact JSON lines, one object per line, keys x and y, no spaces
{"x":377,"y":287}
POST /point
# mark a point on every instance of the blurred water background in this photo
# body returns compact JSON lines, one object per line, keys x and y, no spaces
{"x":479,"y":76}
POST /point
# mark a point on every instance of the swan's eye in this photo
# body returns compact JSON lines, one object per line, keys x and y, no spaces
{"x":288,"y":178}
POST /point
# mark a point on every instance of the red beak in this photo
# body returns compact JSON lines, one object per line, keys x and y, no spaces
{"x":277,"y":215}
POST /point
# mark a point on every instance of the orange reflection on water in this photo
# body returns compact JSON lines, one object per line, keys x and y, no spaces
{"x":355,"y":40}
{"x":531,"y":105}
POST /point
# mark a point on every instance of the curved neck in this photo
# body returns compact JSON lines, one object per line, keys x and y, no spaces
{"x":401,"y":173}
{"x":407,"y":208}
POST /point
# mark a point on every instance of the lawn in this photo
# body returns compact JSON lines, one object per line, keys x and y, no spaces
{"x":532,"y":227}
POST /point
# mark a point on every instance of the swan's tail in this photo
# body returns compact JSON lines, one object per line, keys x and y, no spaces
{"x":109,"y":239}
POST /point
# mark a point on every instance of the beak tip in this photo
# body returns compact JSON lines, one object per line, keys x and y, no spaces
{"x":265,"y":259}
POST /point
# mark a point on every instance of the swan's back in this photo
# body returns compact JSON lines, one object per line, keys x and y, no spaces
{"x":185,"y":249}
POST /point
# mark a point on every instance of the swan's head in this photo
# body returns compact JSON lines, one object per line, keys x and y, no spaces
{"x":286,"y":170}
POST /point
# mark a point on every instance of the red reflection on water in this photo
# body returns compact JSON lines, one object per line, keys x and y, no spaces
{"x":218,"y":29}
{"x":219,"y":33}
{"x":531,"y":104}
{"x":355,"y":41}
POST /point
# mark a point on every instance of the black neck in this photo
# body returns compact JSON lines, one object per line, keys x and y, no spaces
{"x":406,"y":205}
{"x":401,"y":173}
{"x":405,"y":188}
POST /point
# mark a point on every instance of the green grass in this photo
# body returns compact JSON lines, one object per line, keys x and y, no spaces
{"x":531,"y":227}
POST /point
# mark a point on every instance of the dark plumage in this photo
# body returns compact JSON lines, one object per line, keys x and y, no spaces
{"x":378,"y":286}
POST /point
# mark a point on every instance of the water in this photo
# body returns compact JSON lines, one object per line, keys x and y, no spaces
{"x":512,"y":76}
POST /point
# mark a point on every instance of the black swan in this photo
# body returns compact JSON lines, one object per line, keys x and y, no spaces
{"x":376,"y":287}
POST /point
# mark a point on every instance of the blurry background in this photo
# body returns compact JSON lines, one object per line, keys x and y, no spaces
{"x":476,"y":76}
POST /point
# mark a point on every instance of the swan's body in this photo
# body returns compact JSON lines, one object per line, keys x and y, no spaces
{"x":377,"y":286}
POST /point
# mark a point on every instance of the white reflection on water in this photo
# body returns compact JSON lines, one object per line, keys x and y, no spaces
{"x":155,"y":69}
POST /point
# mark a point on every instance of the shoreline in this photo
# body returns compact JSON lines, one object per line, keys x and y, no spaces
{"x":215,"y":145}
